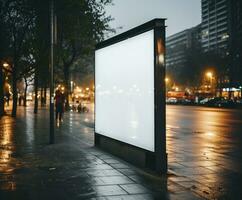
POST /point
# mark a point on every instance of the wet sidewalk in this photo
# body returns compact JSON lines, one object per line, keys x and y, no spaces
{"x":72,"y":168}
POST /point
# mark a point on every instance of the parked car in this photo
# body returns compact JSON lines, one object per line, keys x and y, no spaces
{"x":220,"y":102}
{"x":225,"y":103}
{"x":213,"y":101}
{"x":203,"y":101}
{"x":171,"y":100}
{"x":185,"y":101}
{"x":239,"y":101}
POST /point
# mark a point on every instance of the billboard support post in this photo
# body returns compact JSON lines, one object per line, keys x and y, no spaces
{"x":160,"y":94}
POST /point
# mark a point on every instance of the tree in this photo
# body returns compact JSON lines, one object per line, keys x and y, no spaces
{"x":25,"y":23}
{"x":18,"y":19}
{"x":4,"y":41}
{"x":81,"y":24}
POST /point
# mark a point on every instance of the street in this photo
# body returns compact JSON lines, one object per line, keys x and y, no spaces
{"x":204,"y":149}
{"x":204,"y":154}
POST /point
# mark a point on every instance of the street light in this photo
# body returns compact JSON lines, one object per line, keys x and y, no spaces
{"x":51,"y":70}
{"x":210,"y":77}
{"x":209,"y":74}
{"x":5,"y":64}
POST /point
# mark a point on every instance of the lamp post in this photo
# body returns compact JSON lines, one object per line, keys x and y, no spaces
{"x":167,"y":80}
{"x":211,"y":77}
{"x":51,"y":69}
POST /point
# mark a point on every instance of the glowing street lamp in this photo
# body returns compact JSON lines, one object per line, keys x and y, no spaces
{"x":5,"y":64}
{"x":209,"y":74}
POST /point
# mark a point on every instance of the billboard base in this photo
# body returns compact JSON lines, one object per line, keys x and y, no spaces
{"x":134,"y":155}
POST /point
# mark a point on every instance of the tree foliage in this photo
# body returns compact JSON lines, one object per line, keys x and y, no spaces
{"x":25,"y":37}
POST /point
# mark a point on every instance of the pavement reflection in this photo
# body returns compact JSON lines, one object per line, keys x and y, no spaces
{"x":204,"y":146}
{"x":70,"y":169}
{"x":7,"y":147}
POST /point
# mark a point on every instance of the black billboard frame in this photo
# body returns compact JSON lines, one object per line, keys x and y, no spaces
{"x":156,"y":160}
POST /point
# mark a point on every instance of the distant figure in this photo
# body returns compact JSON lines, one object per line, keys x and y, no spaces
{"x":20,"y":100}
{"x":8,"y":97}
{"x":59,"y":105}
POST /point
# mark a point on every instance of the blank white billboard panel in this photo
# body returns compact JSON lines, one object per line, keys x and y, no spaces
{"x":124,"y":91}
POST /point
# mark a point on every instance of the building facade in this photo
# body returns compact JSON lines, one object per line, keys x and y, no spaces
{"x":177,"y":48}
{"x":236,"y":43}
{"x":219,"y":35}
{"x":221,"y":32}
{"x":215,"y":25}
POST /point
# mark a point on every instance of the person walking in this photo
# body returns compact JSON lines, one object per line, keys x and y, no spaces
{"x":8,"y":97}
{"x":59,"y":105}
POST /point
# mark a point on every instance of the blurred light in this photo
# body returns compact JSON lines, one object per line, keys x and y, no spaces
{"x":166,"y":80}
{"x":5,"y":64}
{"x":209,"y":74}
{"x":161,"y":58}
{"x":210,"y":134}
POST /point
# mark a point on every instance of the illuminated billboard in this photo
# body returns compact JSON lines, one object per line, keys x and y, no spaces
{"x":124,"y":97}
{"x":130,"y":94}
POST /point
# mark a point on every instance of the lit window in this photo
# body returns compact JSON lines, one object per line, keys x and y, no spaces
{"x":225,"y":36}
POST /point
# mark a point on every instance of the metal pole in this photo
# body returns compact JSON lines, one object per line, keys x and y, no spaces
{"x":51,"y":67}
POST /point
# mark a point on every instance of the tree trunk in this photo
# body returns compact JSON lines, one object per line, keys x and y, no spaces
{"x":42,"y":96}
{"x":36,"y":94}
{"x":1,"y":93}
{"x":220,"y":87}
{"x":67,"y":89}
{"x":25,"y":93}
{"x":45,"y":94}
{"x":15,"y":93}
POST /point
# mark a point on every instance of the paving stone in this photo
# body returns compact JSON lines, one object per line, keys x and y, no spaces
{"x":108,"y":190}
{"x":135,"y":189}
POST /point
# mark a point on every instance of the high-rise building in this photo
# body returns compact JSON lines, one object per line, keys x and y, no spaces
{"x":215,"y":25}
{"x":236,"y":43}
{"x":222,"y":32}
{"x":177,"y":47}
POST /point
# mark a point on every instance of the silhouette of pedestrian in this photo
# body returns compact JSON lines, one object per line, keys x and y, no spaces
{"x":59,"y":105}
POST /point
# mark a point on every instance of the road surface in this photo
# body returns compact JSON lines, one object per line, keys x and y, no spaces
{"x":205,"y":149}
